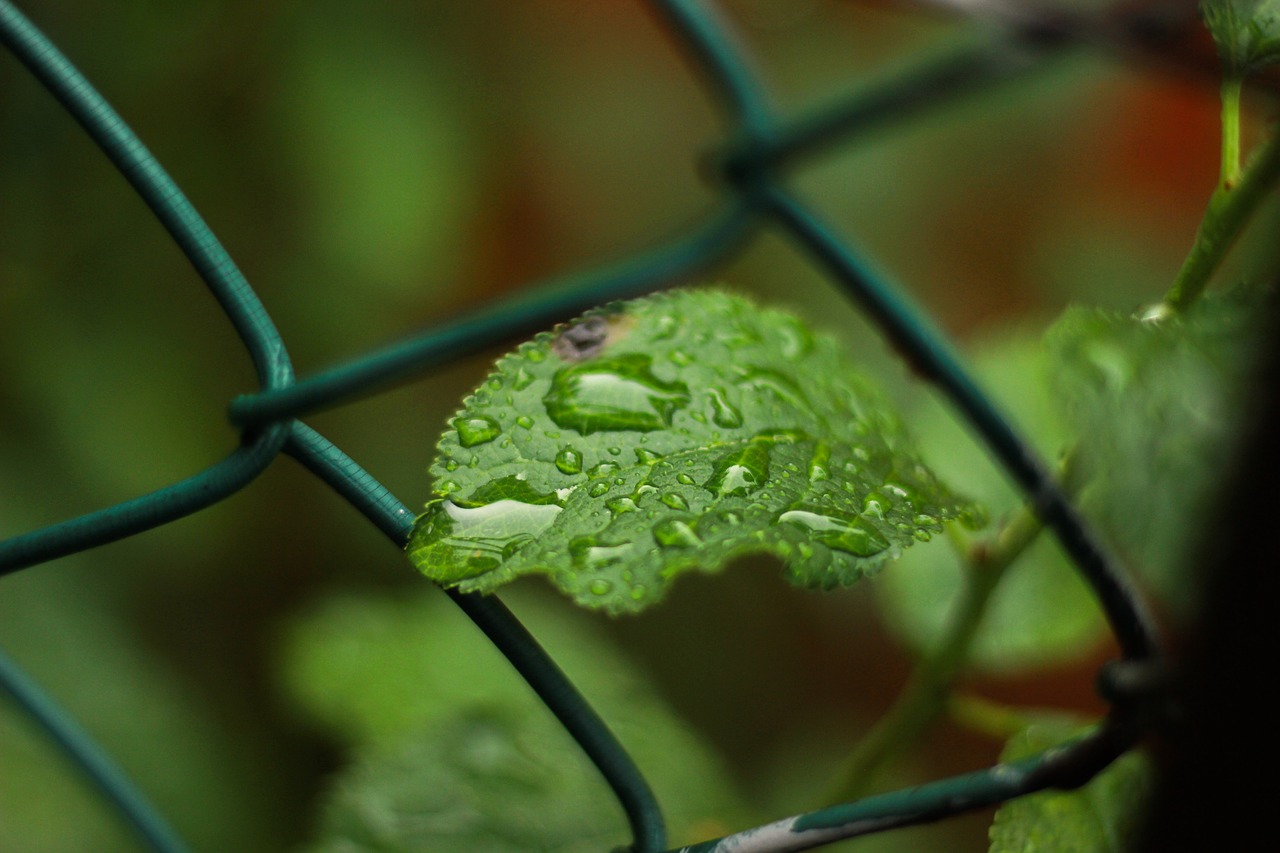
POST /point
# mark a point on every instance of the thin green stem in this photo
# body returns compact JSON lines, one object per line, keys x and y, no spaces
{"x":927,"y":694}
{"x":1230,"y":208}
{"x":992,"y":719}
{"x":1229,"y":174}
{"x":928,"y":691}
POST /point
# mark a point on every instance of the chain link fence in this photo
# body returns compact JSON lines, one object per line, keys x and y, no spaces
{"x":751,"y":173}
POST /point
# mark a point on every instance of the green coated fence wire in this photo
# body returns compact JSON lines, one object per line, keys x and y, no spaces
{"x":758,"y":144}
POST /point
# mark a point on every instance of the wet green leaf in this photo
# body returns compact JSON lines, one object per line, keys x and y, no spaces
{"x":666,"y":434}
{"x":1104,"y":816}
{"x":1042,"y":613}
{"x":1157,"y":407}
{"x":454,"y":752}
{"x":1247,"y":32}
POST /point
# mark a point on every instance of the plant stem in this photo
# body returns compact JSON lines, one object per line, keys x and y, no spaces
{"x":1230,"y":207}
{"x":996,"y":721}
{"x":927,"y":692}
{"x":1229,"y":174}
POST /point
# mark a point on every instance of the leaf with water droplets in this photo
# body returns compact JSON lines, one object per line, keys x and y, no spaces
{"x":662,"y":435}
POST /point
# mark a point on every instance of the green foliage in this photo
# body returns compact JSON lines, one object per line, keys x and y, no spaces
{"x":1104,"y":816}
{"x":1156,"y":408}
{"x":1247,"y":32}
{"x":453,"y":751}
{"x":1042,"y":613}
{"x":665,"y":434}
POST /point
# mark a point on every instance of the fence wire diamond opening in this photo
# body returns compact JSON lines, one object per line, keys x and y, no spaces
{"x":756,"y":169}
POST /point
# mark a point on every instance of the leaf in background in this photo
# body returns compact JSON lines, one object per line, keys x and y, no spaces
{"x":670,"y":433}
{"x":1157,"y":408}
{"x":1042,"y":613}
{"x":1247,"y":32}
{"x":409,"y":679}
{"x":1104,"y":816}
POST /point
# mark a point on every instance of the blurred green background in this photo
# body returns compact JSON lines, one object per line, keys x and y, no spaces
{"x":377,"y":168}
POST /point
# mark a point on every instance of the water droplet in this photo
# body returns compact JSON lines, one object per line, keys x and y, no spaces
{"x":618,"y":506}
{"x":681,"y":358}
{"x":926,"y":520}
{"x":522,"y":379}
{"x":469,"y":541}
{"x":818,"y":462}
{"x":614,"y":451}
{"x":604,"y":469}
{"x":684,"y":479}
{"x":666,"y":327}
{"x":852,"y":535}
{"x":638,"y":592}
{"x":643,"y":489}
{"x":618,"y":393}
{"x":590,"y":554}
{"x":796,"y":340}
{"x":524,"y":422}
{"x":645,"y":456}
{"x":598,"y":489}
{"x":451,"y":464}
{"x":776,"y":384}
{"x":724,"y":413}
{"x":447,"y":487}
{"x":731,"y":518}
{"x":674,"y":500}
{"x":896,"y":490}
{"x":674,"y":533}
{"x":742,"y":471}
{"x":476,"y":429}
{"x":875,"y":505}
{"x":569,"y":461}
{"x":600,"y":586}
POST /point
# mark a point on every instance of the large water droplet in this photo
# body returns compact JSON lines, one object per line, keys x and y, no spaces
{"x":589,"y":554}
{"x":724,"y":413}
{"x":852,"y":535}
{"x":618,"y":393}
{"x":476,"y":429}
{"x":569,"y":461}
{"x":471,"y":540}
{"x":742,"y":471}
{"x":674,"y":533}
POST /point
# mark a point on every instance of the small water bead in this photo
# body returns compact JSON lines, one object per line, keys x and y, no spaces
{"x":674,"y":500}
{"x":524,"y":422}
{"x":644,"y":489}
{"x":819,"y":461}
{"x":521,"y":380}
{"x":618,"y":506}
{"x":476,"y":429}
{"x":535,"y":354}
{"x":451,"y":464}
{"x":645,"y":456}
{"x":604,"y":469}
{"x":724,"y":413}
{"x":926,"y":520}
{"x":674,"y":533}
{"x":614,"y":451}
{"x":638,"y":592}
{"x":666,"y":327}
{"x":447,"y":487}
{"x":685,"y":480}
{"x":681,"y":358}
{"x":875,"y":505}
{"x":569,"y":461}
{"x":600,"y":586}
{"x":796,"y":340}
{"x":598,"y":489}
{"x":740,"y":472}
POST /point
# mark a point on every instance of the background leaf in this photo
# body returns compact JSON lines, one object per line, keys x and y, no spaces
{"x":453,"y":751}
{"x":1247,"y":32}
{"x":664,"y":434}
{"x":1104,"y":816}
{"x":1157,"y":408}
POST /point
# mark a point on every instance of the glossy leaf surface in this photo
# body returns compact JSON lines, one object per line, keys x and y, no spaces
{"x":670,"y":433}
{"x":1247,"y":32}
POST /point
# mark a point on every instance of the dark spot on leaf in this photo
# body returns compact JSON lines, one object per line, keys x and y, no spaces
{"x":588,"y":337}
